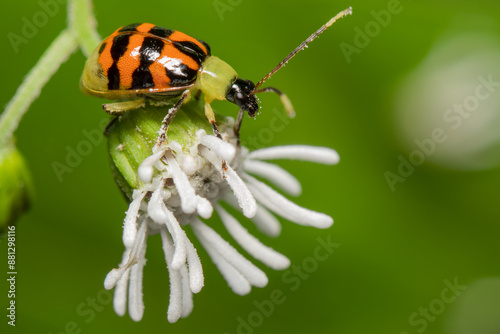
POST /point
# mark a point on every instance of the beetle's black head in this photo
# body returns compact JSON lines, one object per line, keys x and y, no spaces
{"x":241,"y":94}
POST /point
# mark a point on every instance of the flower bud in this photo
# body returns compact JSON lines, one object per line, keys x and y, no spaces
{"x":133,"y":136}
{"x":16,"y":187}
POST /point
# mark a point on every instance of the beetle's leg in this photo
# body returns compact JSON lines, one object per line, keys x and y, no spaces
{"x":197,"y":94}
{"x":162,"y":138}
{"x":118,"y":108}
{"x":237,"y":126}
{"x":159,"y":103}
{"x":209,"y":112}
{"x":284,"y":99}
{"x":110,"y":124}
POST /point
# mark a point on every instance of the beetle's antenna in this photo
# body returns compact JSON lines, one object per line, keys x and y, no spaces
{"x":303,"y":45}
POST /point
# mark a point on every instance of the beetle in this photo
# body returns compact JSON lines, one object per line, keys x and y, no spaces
{"x":142,"y":61}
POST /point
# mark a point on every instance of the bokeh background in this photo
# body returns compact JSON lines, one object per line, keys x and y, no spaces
{"x":400,"y":244}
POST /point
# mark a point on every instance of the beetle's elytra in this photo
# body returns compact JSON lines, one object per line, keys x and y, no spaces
{"x":141,"y":59}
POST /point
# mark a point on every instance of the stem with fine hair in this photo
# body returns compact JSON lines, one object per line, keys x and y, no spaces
{"x":82,"y":21}
{"x":57,"y":53}
{"x":81,"y":32}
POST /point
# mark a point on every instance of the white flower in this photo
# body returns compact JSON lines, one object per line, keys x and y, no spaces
{"x":182,"y":184}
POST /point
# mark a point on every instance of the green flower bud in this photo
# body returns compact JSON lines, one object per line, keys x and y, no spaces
{"x":133,"y":136}
{"x":16,"y":187}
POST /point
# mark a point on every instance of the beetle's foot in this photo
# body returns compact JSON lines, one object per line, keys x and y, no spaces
{"x":118,"y":108}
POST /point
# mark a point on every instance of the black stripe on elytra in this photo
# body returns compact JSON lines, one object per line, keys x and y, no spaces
{"x":101,"y":49}
{"x":161,"y":32}
{"x":192,"y":50}
{"x":150,"y":51}
{"x":130,"y":27}
{"x":209,"y":52}
{"x":113,"y":77}
{"x":182,"y":75}
{"x":118,"y":49}
{"x":120,"y":44}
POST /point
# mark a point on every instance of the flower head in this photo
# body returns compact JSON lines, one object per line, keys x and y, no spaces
{"x":182,"y":182}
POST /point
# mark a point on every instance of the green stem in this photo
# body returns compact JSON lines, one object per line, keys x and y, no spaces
{"x":82,"y":21}
{"x":57,"y":53}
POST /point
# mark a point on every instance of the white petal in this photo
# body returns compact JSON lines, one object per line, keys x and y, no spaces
{"x":145,"y":170}
{"x":120,"y":295}
{"x":236,"y":281}
{"x":204,"y":207}
{"x":240,"y":190}
{"x":187,"y":295}
{"x":179,"y":236}
{"x":248,"y":242}
{"x":322,"y":155}
{"x":253,"y":274}
{"x":264,"y":220}
{"x":245,"y":198}
{"x":189,"y":164}
{"x":139,"y":243}
{"x":160,"y":214}
{"x":275,"y":174}
{"x":114,"y":276}
{"x":285,"y":208}
{"x":196,"y":279}
{"x":155,"y":209}
{"x":223,"y":149}
{"x":175,"y":303}
{"x":135,"y":301}
{"x":175,"y":146}
{"x":130,"y":222}
{"x":185,"y":189}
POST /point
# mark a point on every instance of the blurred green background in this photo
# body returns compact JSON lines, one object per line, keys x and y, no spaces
{"x":397,"y":246}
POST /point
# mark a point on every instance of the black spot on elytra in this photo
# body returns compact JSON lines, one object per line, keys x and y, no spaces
{"x":161,"y":32}
{"x":120,"y":44}
{"x":150,"y":51}
{"x":130,"y":27}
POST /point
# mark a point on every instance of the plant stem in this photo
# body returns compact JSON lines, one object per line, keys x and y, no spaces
{"x":57,"y":53}
{"x":82,"y":21}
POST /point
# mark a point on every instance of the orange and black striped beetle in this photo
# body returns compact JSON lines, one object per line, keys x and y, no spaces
{"x":144,"y":61}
